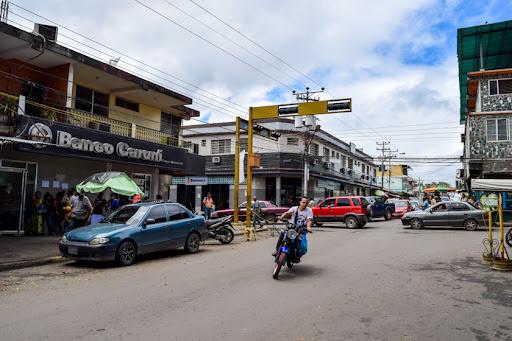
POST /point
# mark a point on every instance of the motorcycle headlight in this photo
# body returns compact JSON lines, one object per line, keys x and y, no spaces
{"x":291,"y":234}
{"x":98,"y":241}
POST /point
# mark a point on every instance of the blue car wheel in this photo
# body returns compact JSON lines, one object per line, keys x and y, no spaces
{"x":126,"y":253}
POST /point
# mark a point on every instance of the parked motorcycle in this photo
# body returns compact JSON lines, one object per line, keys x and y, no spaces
{"x":288,"y":250}
{"x":221,"y":229}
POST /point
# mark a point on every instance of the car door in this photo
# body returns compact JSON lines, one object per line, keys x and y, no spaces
{"x":180,"y":224}
{"x":458,"y":212}
{"x":343,"y":206}
{"x":437,"y":216}
{"x":326,"y":210}
{"x":155,"y":230}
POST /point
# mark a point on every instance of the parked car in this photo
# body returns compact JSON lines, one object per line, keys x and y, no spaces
{"x":378,"y":208}
{"x":416,"y":204}
{"x":134,"y":230}
{"x":452,"y":213}
{"x":268,"y":209}
{"x":350,"y":210}
{"x":402,"y":207}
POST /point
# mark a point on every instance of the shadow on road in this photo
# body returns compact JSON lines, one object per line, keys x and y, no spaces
{"x":440,"y":228}
{"x":300,"y":271}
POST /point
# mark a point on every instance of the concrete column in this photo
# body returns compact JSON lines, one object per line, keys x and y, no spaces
{"x":198,"y":198}
{"x":69,"y":92}
{"x":155,"y":183}
{"x":278,"y":190}
{"x":232,"y":196}
{"x":134,"y":130}
{"x":173,"y":193}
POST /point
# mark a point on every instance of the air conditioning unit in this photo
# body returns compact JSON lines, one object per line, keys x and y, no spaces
{"x":47,"y":31}
{"x":216,"y":159}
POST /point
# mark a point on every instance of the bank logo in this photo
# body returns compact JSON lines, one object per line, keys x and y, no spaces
{"x":41,"y":133}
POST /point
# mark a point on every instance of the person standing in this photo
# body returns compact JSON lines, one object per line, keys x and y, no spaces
{"x":114,"y":202}
{"x":256,"y":213}
{"x":208,"y":206}
{"x":101,"y":204}
{"x":51,"y":214}
{"x":35,"y":222}
{"x":81,"y":208}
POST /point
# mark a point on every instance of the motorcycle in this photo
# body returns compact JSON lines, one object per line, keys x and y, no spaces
{"x":221,"y":229}
{"x":288,"y":250}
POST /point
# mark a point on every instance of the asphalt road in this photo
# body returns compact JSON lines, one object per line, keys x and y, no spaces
{"x":378,"y":283}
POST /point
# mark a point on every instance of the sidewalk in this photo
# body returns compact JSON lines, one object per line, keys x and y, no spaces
{"x":22,"y":251}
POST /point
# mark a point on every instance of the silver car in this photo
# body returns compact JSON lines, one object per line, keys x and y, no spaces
{"x":452,"y":213}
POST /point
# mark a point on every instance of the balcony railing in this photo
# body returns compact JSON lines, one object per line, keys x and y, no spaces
{"x":88,"y":120}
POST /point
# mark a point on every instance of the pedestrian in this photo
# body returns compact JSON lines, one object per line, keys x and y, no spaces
{"x":159,"y":197}
{"x":425,"y":203}
{"x":101,"y":203}
{"x":256,"y":213}
{"x":432,"y":201}
{"x":80,"y":210}
{"x":114,"y":202}
{"x":35,"y":222}
{"x":208,"y":206}
{"x":51,"y":214}
{"x":97,"y":215}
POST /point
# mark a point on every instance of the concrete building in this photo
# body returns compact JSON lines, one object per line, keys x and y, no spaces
{"x":397,"y":180}
{"x":336,"y":167}
{"x":65,"y":116}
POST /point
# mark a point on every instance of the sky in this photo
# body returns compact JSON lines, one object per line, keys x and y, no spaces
{"x":397,"y":60}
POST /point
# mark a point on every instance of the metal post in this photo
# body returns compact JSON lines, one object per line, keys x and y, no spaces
{"x":491,"y":251}
{"x":306,"y":176}
{"x":249,"y":170}
{"x":237,"y":168}
{"x":502,"y":232}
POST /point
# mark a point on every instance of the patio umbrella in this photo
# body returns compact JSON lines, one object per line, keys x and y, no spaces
{"x":380,"y":193}
{"x":118,"y":182}
{"x":430,"y":190}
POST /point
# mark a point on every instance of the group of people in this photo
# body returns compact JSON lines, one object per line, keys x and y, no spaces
{"x":68,"y":210}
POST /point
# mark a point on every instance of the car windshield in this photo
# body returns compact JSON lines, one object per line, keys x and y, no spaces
{"x":129,"y":215}
{"x":401,"y":204}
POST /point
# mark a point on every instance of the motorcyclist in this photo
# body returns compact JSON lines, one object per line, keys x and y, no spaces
{"x":300,"y":215}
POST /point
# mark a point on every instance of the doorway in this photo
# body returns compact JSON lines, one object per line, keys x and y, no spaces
{"x":12,"y":199}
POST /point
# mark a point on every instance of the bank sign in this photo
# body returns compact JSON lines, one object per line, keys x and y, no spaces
{"x":66,"y":140}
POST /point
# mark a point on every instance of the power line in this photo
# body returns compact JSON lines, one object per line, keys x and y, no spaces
{"x":212,"y":44}
{"x":125,"y":55}
{"x":255,"y":43}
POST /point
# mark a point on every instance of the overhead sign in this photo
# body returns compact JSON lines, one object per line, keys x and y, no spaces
{"x":306,"y":108}
{"x":196,"y":180}
{"x":72,"y":141}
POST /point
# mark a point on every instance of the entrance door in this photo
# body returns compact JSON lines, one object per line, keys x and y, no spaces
{"x":12,"y":198}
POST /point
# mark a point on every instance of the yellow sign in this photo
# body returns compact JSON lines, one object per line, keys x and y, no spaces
{"x":299,"y":109}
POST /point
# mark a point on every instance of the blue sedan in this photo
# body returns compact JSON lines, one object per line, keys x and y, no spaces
{"x":134,"y":230}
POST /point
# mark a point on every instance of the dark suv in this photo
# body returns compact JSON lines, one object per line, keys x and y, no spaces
{"x":350,"y":210}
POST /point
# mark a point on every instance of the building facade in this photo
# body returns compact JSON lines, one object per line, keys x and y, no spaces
{"x":65,"y":116}
{"x":335,"y":167}
{"x":397,"y":180}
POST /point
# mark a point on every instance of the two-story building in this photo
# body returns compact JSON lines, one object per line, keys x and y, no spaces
{"x":65,"y":116}
{"x":336,"y":167}
{"x":396,"y":179}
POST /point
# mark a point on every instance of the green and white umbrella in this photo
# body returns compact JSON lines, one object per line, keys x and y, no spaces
{"x":118,"y":182}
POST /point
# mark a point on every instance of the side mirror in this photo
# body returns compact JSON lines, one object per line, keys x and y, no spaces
{"x":149,"y":221}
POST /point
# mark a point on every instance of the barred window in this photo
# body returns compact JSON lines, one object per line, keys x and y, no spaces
{"x":313,"y":149}
{"x":292,"y":141}
{"x":500,"y":86}
{"x":221,"y":146}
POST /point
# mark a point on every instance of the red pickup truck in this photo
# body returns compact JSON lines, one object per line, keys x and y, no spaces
{"x":350,"y":210}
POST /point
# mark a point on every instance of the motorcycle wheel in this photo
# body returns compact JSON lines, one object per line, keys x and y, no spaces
{"x":508,"y":238}
{"x":227,"y":236}
{"x":281,"y":259}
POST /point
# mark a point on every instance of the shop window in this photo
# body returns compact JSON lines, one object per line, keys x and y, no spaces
{"x":292,"y":141}
{"x":170,"y":124}
{"x":500,"y":86}
{"x":221,"y":146}
{"x":124,"y":103}
{"x":92,"y":101}
{"x":497,"y":130}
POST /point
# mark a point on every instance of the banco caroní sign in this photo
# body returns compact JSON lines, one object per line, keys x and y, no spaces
{"x":123,"y":149}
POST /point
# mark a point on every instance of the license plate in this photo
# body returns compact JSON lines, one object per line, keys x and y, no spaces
{"x":72,"y":250}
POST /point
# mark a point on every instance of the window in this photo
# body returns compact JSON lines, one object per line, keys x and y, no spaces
{"x":221,"y":146}
{"x":350,"y":163}
{"x":175,"y":212}
{"x":326,"y":152}
{"x":500,"y":86}
{"x":92,"y":101}
{"x":170,"y":124}
{"x":337,"y":155}
{"x":261,"y":204}
{"x":313,"y":149}
{"x":365,"y":202}
{"x":343,"y":202}
{"x":356,"y":202}
{"x":195,"y":148}
{"x":292,"y":141}
{"x":328,"y":202}
{"x":158,"y":213}
{"x":124,"y":103}
{"x":497,"y":130}
{"x":203,"y":143}
{"x":458,"y":206}
{"x":244,"y":144}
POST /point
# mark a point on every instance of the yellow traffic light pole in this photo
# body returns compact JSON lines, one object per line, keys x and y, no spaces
{"x":248,"y":206}
{"x":237,"y":169}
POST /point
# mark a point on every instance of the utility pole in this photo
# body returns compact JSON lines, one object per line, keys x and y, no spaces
{"x":307,"y":97}
{"x":383,"y":149}
{"x":237,"y":168}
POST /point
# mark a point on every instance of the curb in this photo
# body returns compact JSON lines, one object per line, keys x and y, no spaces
{"x":241,"y":233}
{"x":32,"y":263}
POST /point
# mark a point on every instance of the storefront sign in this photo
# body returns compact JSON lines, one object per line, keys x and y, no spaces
{"x":489,"y":202}
{"x":69,"y":140}
{"x":196,"y":180}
